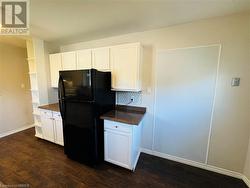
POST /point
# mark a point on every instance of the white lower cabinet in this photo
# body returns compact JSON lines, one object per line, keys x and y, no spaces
{"x":52,"y":127}
{"x":122,"y":143}
{"x":47,"y":125}
{"x":58,"y":129}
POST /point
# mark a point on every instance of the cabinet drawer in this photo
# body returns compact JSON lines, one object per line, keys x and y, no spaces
{"x":57,"y":115}
{"x":116,"y":126}
{"x":46,"y":113}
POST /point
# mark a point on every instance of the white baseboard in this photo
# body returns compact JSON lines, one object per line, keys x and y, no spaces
{"x":246,"y":180}
{"x":198,"y":165}
{"x":15,"y":131}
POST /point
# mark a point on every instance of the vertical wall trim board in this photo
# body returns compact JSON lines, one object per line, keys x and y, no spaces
{"x":154,"y":103}
{"x":213,"y":106}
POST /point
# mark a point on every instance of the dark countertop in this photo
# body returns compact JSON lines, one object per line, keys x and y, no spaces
{"x":53,"y":107}
{"x":125,"y":114}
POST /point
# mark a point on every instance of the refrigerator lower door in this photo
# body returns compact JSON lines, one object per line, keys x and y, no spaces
{"x":80,"y":132}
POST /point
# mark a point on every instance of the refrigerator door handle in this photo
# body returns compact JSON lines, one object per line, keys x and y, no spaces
{"x":61,"y":96}
{"x":62,"y":108}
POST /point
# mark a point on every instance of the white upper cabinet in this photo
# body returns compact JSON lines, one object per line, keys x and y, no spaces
{"x":83,"y":59}
{"x":124,"y":62}
{"x":125,"y":67}
{"x":55,"y":67}
{"x":100,"y":58}
{"x":69,"y":61}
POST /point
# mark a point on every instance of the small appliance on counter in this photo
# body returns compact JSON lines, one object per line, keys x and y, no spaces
{"x":84,"y":95}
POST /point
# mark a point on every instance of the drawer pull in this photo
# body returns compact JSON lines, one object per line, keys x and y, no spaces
{"x":116,"y":126}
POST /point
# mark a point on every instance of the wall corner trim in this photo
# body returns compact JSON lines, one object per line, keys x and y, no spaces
{"x":16,"y":130}
{"x":198,"y":165}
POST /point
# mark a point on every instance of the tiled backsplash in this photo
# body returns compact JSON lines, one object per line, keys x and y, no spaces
{"x":124,"y":98}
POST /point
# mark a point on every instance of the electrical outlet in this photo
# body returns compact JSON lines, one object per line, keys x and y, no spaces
{"x":132,"y":98}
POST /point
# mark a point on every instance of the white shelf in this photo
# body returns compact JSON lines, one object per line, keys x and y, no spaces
{"x":36,"y":114}
{"x":31,"y":59}
{"x":34,"y":90}
{"x":36,"y":110}
{"x":33,"y":82}
{"x":35,"y":106}
{"x":35,"y":102}
{"x":37,"y":124}
{"x":36,"y":53}
{"x":35,"y":97}
{"x":32,"y":73}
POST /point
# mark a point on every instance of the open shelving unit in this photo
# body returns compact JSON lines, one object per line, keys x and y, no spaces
{"x":38,"y":82}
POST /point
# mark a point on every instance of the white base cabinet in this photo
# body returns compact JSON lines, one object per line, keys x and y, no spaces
{"x":122,"y":143}
{"x":52,"y":127}
{"x":58,"y":128}
{"x":47,"y":124}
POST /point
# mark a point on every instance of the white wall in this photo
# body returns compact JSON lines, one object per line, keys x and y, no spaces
{"x":15,"y":101}
{"x":231,"y":123}
{"x":185,"y":86}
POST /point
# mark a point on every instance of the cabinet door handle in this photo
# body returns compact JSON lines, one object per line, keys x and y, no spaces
{"x":116,"y":126}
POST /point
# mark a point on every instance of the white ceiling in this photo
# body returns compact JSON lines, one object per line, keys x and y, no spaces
{"x":69,"y":20}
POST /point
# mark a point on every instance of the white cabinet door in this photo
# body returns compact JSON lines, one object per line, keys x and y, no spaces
{"x":125,"y":67}
{"x":58,"y":130}
{"x":47,"y":125}
{"x":69,"y":61}
{"x":83,"y":60}
{"x":100,"y":59}
{"x":118,"y":148}
{"x":55,"y":67}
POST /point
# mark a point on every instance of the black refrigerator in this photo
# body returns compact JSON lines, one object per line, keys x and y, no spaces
{"x":83,"y":96}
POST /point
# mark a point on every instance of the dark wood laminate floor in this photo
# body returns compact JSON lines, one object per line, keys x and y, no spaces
{"x":25,"y":159}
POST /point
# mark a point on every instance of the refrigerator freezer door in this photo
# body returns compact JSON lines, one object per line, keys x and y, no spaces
{"x":77,"y":85}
